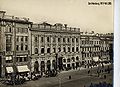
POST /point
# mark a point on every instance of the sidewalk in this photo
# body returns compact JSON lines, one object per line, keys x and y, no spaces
{"x":82,"y":68}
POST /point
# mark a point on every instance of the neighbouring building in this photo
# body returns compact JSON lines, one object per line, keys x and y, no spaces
{"x":96,"y":47}
{"x":14,"y":44}
{"x":54,"y":44}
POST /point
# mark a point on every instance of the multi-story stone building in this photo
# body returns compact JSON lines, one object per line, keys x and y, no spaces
{"x":96,"y":47}
{"x":25,"y":46}
{"x":54,"y":43}
{"x":14,"y":44}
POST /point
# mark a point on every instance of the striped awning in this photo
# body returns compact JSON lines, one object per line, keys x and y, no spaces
{"x":23,"y":68}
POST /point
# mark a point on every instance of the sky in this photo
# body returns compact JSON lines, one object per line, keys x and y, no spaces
{"x":74,"y":13}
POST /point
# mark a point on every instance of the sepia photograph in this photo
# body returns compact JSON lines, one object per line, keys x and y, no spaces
{"x":56,"y":43}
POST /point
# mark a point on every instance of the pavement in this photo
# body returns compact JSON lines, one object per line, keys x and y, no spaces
{"x":79,"y":78}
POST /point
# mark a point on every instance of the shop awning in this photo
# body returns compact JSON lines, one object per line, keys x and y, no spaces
{"x":95,"y":59}
{"x":9,"y":69}
{"x":23,"y":68}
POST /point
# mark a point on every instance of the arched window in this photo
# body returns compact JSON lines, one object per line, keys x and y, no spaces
{"x":48,"y":50}
{"x":73,"y":59}
{"x":64,"y":60}
{"x":77,"y":49}
{"x":9,"y":29}
{"x":64,"y":50}
{"x":68,"y":49}
{"x":72,"y":49}
{"x":68,"y":60}
{"x":59,"y":49}
{"x":48,"y":39}
{"x":77,"y":58}
{"x":36,"y":51}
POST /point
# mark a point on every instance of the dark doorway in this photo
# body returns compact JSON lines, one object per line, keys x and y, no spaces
{"x":48,"y":65}
{"x":73,"y":65}
{"x":42,"y":66}
{"x":77,"y":65}
{"x":68,"y":67}
{"x":54,"y":64}
{"x":60,"y":63}
{"x":36,"y":67}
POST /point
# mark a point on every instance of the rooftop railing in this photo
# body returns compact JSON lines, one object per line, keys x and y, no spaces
{"x":53,"y":27}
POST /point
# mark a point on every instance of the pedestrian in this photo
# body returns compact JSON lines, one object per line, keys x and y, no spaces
{"x":104,"y":76}
{"x":88,"y":71}
{"x":69,"y":77}
{"x":98,"y":73}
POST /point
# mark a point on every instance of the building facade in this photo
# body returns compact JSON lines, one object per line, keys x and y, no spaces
{"x":14,"y":43}
{"x":54,"y":46}
{"x":96,"y":47}
{"x":25,"y":46}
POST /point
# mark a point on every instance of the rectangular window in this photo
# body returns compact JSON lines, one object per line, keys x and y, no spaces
{"x":76,"y":39}
{"x":72,"y":39}
{"x":8,"y":39}
{"x":36,"y":39}
{"x":22,"y":46}
{"x":42,"y":39}
{"x":54,"y":50}
{"x":22,"y":38}
{"x":26,"y":47}
{"x":17,"y":47}
{"x":26,"y":30}
{"x":17,"y":39}
{"x":25,"y":59}
{"x":68,"y":40}
{"x":8,"y":47}
{"x":20,"y":59}
{"x":58,"y":39}
{"x":54,"y":39}
{"x":63,"y":39}
{"x":17,"y":30}
{"x":68,"y":49}
{"x":26,"y":38}
{"x":48,"y":39}
{"x":23,"y":30}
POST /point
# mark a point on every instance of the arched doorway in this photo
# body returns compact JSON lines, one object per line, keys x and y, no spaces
{"x":48,"y":65}
{"x":77,"y":62}
{"x":36,"y":67}
{"x":54,"y":64}
{"x":42,"y":66}
{"x":60,"y":63}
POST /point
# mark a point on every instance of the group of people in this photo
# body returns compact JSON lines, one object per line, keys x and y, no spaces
{"x":100,"y":84}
